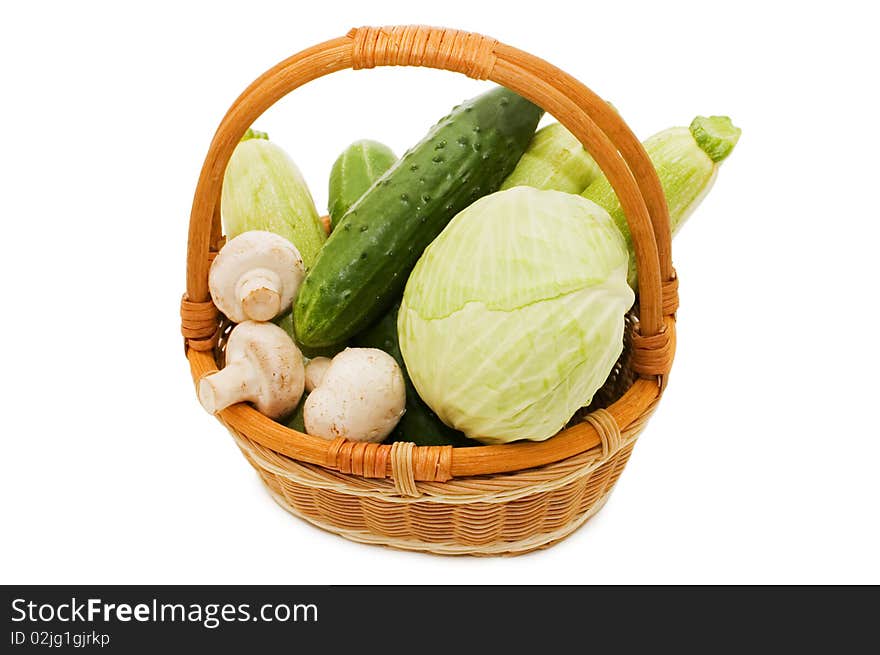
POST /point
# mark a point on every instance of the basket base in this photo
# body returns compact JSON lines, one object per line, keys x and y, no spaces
{"x":501,"y":514}
{"x":510,"y":548}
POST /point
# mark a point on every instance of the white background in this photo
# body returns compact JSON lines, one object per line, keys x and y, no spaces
{"x":760,"y":465}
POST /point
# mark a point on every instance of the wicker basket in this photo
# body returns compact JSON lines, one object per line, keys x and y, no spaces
{"x":486,"y":500}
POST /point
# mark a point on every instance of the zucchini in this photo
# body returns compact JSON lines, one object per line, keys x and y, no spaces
{"x":419,"y":423}
{"x":264,"y":190}
{"x":555,"y":160}
{"x":363,"y":267}
{"x":353,"y":172}
{"x":687,"y":161}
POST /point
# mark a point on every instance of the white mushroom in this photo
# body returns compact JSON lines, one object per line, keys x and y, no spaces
{"x":315,"y":370}
{"x":263,"y":366}
{"x":361,"y":397}
{"x":255,"y":276}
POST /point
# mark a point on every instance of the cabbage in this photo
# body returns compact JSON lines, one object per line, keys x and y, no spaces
{"x":514,"y":316}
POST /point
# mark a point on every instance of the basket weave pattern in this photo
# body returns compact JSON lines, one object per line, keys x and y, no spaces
{"x":504,"y":514}
{"x":515,"y":526}
{"x":486,"y":500}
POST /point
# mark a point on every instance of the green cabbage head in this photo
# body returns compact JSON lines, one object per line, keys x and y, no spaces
{"x":513,"y":317}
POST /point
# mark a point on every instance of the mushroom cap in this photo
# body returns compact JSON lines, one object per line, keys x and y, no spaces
{"x":247,"y":260}
{"x":361,"y":397}
{"x":276,"y":362}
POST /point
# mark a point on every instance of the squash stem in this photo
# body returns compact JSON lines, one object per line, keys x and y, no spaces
{"x":254,"y":134}
{"x":716,"y":136}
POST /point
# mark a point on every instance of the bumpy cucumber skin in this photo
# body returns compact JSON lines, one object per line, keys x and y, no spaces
{"x":353,"y":172}
{"x":363,"y":267}
{"x":419,"y":424}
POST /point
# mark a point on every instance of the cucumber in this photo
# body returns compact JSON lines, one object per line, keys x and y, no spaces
{"x":362,"y":268}
{"x":353,"y":172}
{"x":285,"y":322}
{"x":419,"y":424}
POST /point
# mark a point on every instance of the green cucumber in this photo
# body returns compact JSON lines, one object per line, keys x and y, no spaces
{"x":419,"y":424}
{"x":285,"y":322}
{"x":363,"y":267}
{"x":353,"y":172}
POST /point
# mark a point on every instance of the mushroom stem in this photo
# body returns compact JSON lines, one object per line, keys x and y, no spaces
{"x":315,"y":372}
{"x":259,"y":295}
{"x":234,"y":383}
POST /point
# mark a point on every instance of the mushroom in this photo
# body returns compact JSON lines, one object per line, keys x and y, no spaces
{"x":263,"y":366}
{"x":255,"y":276}
{"x":315,"y":370}
{"x":361,"y":397}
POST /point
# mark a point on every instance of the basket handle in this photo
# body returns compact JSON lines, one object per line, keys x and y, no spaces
{"x":599,"y":128}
